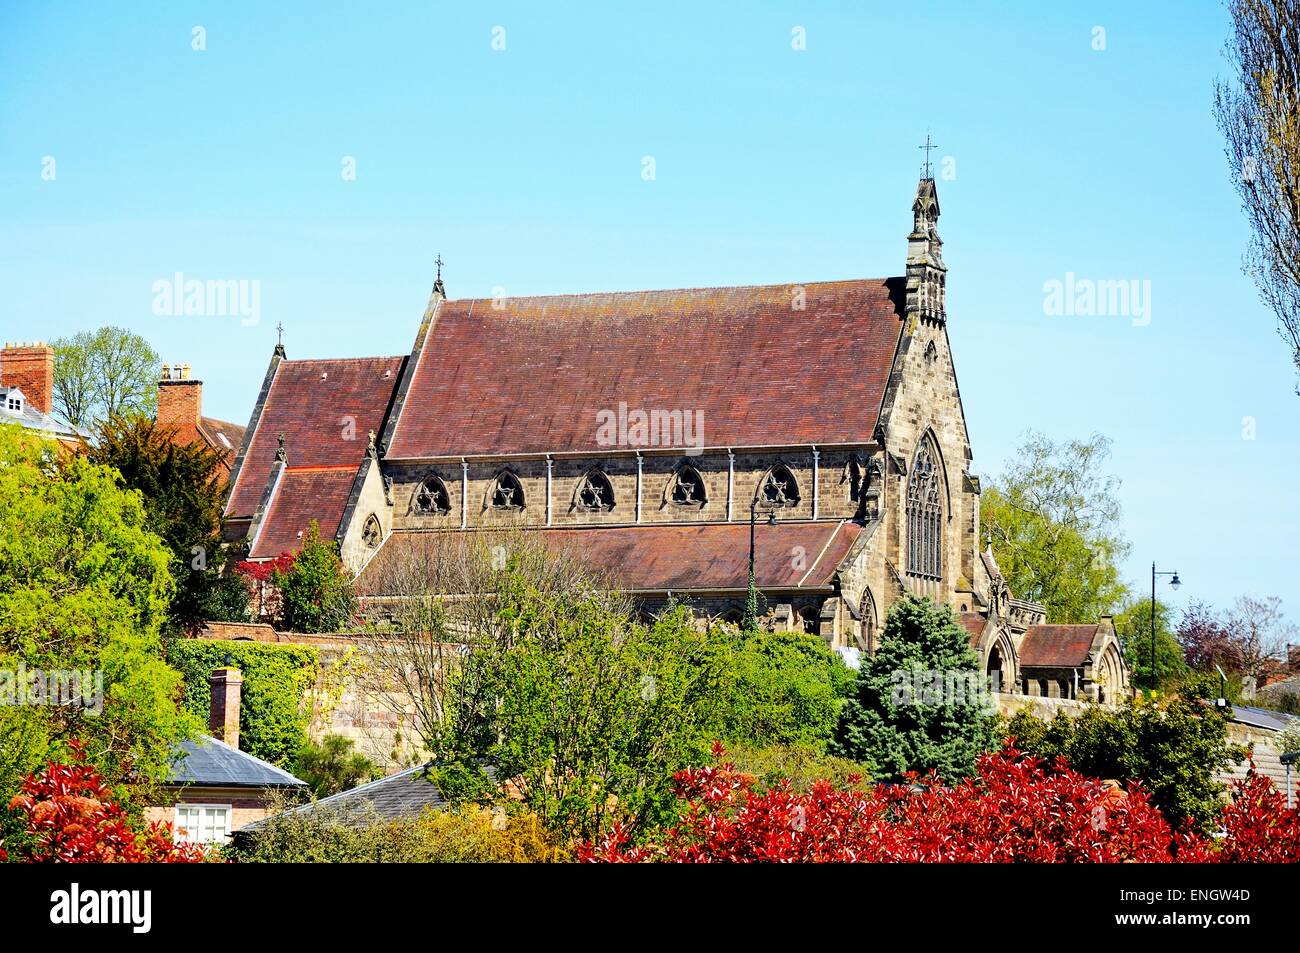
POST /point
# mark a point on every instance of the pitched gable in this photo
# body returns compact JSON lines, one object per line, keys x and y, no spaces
{"x":324,"y":408}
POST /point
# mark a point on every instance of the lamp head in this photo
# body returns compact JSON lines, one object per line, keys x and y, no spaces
{"x":1175,"y":582}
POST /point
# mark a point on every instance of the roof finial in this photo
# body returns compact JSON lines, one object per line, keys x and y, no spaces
{"x":437,"y":284}
{"x":925,"y":171}
{"x":279,"y":339}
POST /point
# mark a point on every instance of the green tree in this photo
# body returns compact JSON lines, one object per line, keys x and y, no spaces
{"x":1133,"y":626}
{"x":783,"y":688}
{"x":316,"y":593}
{"x":331,"y":765}
{"x":182,"y":486}
{"x":84,"y":586}
{"x":1053,"y":518}
{"x":919,"y":703}
{"x":102,"y":374}
{"x":589,"y":714}
{"x":1175,"y":746}
{"x":1259,"y":115}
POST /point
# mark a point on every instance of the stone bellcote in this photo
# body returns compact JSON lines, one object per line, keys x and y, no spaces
{"x":926,"y":272}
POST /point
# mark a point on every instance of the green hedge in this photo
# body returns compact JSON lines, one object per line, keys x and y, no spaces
{"x":273,"y":714}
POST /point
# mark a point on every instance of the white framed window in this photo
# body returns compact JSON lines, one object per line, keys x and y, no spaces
{"x":202,"y":823}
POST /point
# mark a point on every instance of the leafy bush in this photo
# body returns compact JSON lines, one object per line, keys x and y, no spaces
{"x":798,"y":765}
{"x":330,"y":765}
{"x":273,"y":714}
{"x":472,"y":835}
{"x":1014,"y":810}
{"x":900,"y":732}
{"x":1175,"y":746}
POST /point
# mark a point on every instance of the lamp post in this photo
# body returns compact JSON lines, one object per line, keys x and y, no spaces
{"x":1175,"y":583}
{"x":750,"y":622}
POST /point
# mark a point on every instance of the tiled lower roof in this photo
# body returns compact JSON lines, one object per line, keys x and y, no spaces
{"x":303,"y":494}
{"x":1056,"y":646}
{"x":682,"y":557}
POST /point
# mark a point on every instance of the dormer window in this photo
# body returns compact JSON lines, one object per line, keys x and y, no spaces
{"x":688,"y":487}
{"x":508,"y":494}
{"x":595,"y":492}
{"x":431,"y":498}
{"x":14,"y":402}
{"x":779,"y":488}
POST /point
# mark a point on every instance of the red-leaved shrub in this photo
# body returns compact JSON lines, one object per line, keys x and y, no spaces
{"x":72,"y":818}
{"x":1013,"y":810}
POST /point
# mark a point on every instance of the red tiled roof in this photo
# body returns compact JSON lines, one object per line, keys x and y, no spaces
{"x":223,"y":437}
{"x":316,"y":416}
{"x":1056,"y":646}
{"x":974,"y":623}
{"x":531,"y":374}
{"x":683,"y":557}
{"x":302,"y":495}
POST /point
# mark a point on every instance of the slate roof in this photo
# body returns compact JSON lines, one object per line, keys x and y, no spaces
{"x":212,"y":763}
{"x":324,"y":408}
{"x":406,"y":794}
{"x":677,"y":556}
{"x":303,"y":494}
{"x":530,"y":375}
{"x":32,"y":418}
{"x":1056,"y":646}
{"x":1261,"y":717}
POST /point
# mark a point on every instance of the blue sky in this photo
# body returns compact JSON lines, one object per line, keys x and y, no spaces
{"x":523,"y":167}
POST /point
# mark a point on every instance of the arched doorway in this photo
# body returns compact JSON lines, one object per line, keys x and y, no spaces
{"x":994,"y":668}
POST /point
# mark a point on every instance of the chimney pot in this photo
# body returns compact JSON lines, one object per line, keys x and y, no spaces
{"x":223,"y":714}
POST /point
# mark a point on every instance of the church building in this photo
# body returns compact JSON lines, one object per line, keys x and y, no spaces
{"x":644,"y":430}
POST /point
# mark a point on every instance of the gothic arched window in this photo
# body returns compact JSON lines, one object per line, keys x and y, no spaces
{"x":431,"y":498}
{"x":925,"y":515}
{"x":372,"y":534}
{"x":595,"y":492}
{"x":688,"y":486}
{"x":508,"y":494}
{"x":779,"y":488}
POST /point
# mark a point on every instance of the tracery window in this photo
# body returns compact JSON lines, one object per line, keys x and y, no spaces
{"x":596,"y":492}
{"x":508,"y":494}
{"x":372,"y":534}
{"x":779,"y":488}
{"x":431,"y":498}
{"x":925,"y":515}
{"x":688,"y":486}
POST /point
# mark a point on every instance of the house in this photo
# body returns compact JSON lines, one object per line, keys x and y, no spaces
{"x":180,"y":409}
{"x":214,"y":788}
{"x":27,"y":393}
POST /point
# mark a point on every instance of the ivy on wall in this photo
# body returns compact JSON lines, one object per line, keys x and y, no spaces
{"x":274,"y":708}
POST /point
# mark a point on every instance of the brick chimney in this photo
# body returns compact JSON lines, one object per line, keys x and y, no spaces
{"x":223,"y":715}
{"x":180,"y":400}
{"x":30,"y":368}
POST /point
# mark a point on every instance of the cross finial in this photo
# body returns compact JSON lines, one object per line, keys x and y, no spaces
{"x":279,"y":332}
{"x":437,"y":284}
{"x":927,"y":147}
{"x":438,"y":261}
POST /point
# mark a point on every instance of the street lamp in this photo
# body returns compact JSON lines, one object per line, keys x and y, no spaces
{"x":1174,"y":583}
{"x":750,"y":622}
